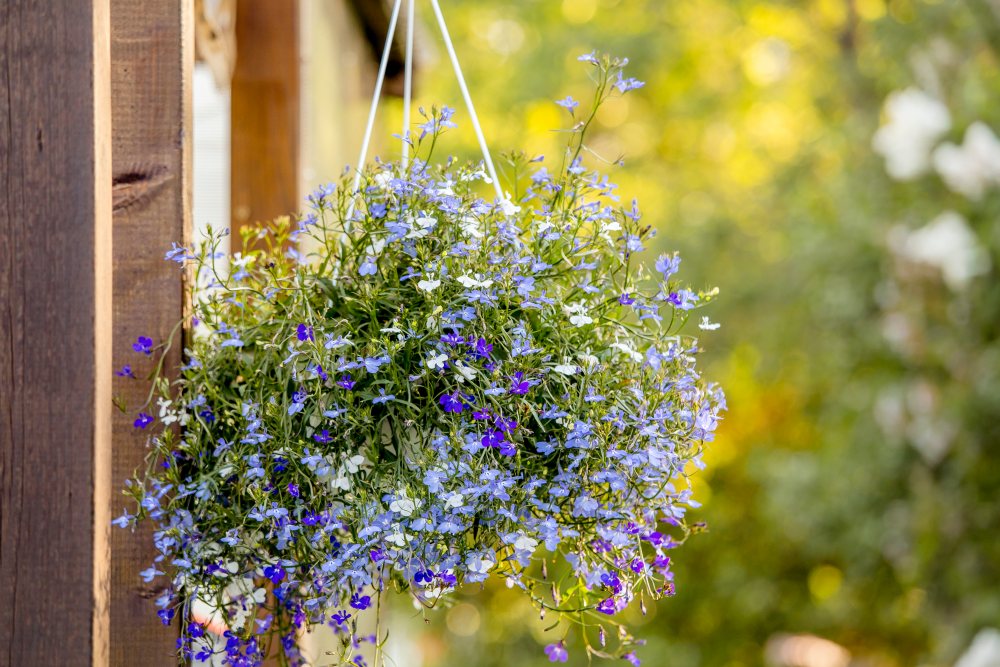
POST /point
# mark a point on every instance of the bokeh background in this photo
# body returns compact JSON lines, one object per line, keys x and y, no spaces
{"x":853,"y":495}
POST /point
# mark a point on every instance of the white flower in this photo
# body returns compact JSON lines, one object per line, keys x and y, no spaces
{"x":525,"y":543}
{"x":397,"y":536}
{"x":405,"y":506}
{"x":915,"y":120}
{"x":354,"y":463}
{"x":508,"y":207}
{"x":436,"y":361}
{"x":578,"y":314}
{"x":587,"y":359}
{"x":948,"y":244}
{"x":480,"y":563}
{"x":471,"y":227}
{"x":565,"y":369}
{"x":167,"y":416}
{"x":421,"y":227}
{"x":382,"y":179}
{"x":454,"y":500}
{"x":469,"y":281}
{"x":341,"y":481}
{"x":428,"y":285}
{"x":464,"y":372}
{"x":984,"y":650}
{"x":628,"y":350}
{"x":707,"y":325}
{"x":972,"y":167}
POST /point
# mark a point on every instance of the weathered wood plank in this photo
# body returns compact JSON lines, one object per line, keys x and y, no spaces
{"x":55,"y":342}
{"x":265,"y":113}
{"x":152,"y":52}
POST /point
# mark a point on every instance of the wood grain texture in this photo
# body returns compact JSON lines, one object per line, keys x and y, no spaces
{"x":152,"y":53}
{"x":55,"y":255}
{"x":265,"y":113}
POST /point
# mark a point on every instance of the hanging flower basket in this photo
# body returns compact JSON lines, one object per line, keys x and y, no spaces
{"x":449,"y":389}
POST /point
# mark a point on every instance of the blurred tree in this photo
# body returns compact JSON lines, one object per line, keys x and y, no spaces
{"x":852,"y":491}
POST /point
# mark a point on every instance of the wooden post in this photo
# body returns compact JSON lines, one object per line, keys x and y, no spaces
{"x":55,"y":332}
{"x":152,"y":54}
{"x":265,"y":113}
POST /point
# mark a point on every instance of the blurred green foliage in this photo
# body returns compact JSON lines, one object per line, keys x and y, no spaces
{"x":750,"y":150}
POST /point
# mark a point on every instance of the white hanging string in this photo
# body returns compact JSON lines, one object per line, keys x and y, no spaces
{"x":359,"y":168}
{"x":408,"y":84}
{"x":468,"y":99}
{"x":407,"y":95}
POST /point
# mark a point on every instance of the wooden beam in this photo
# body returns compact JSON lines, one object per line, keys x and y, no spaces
{"x":55,"y":334}
{"x":152,"y":53}
{"x":265,"y":105}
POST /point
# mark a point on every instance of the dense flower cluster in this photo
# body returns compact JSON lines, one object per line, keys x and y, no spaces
{"x":417,"y":388}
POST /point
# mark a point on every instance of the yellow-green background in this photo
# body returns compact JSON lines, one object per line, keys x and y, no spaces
{"x":750,"y":151}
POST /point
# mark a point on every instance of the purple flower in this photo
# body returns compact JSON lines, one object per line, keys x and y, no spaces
{"x":626,"y":299}
{"x":293,"y":490}
{"x":323,"y":436}
{"x":125,"y":372}
{"x":452,"y":403}
{"x":143,"y":420}
{"x":505,"y":425}
{"x":557,"y":652}
{"x":346,"y":382}
{"x":589,"y":58}
{"x":632,"y":659}
{"x":612,"y":581}
{"x":361,"y":602}
{"x":143,"y":344}
{"x":377,"y":555}
{"x":304,"y":333}
{"x":493,"y":438}
{"x":452,"y":339}
{"x":483,"y":348}
{"x":340,"y":617}
{"x":607,"y":606}
{"x":568,"y":103}
{"x":166,"y":615}
{"x":519,"y":385}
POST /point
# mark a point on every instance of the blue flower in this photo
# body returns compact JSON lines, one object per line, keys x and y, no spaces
{"x":144,"y":345}
{"x":304,"y":333}
{"x":125,"y":372}
{"x":361,"y":602}
{"x":668,"y":265}
{"x":368,"y":267}
{"x":452,"y":403}
{"x":383,"y":397}
{"x":143,"y":420}
{"x":568,"y":103}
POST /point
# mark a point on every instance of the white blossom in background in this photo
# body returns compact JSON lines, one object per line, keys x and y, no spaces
{"x":984,"y":650}
{"x":946,"y":243}
{"x":974,"y":166}
{"x":914,"y":122}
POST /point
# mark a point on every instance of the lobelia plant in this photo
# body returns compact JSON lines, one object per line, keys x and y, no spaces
{"x":444,"y":389}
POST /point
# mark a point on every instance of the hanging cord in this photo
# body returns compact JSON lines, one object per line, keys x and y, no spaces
{"x":468,"y":99}
{"x":408,"y":84}
{"x":374,"y":106}
{"x":407,"y":95}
